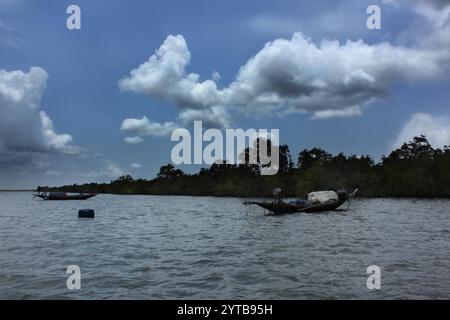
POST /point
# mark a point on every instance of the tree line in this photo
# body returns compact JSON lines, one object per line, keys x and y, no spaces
{"x":416,"y":169}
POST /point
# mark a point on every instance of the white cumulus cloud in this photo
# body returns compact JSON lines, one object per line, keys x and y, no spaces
{"x":23,"y":127}
{"x":136,"y":165}
{"x":144,"y":127}
{"x":325,"y":79}
{"x":436,"y":129}
{"x":164,"y":76}
{"x":133,"y":140}
{"x":216,"y":117}
{"x":437,"y":11}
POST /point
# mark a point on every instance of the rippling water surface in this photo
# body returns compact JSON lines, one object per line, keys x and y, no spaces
{"x":150,"y":247}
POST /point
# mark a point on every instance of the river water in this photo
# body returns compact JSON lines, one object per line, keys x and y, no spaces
{"x":156,"y":247}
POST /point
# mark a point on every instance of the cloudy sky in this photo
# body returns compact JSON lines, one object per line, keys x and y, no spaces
{"x":93,"y":104}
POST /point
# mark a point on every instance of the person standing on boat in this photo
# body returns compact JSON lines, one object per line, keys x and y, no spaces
{"x":277,"y":195}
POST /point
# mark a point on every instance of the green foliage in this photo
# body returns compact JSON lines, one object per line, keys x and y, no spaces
{"x":414,"y":170}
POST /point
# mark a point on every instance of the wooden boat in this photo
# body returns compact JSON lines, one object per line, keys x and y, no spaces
{"x":281,"y":207}
{"x":285,"y":208}
{"x":63,"y":196}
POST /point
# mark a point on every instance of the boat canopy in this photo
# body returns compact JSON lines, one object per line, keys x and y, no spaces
{"x":322,"y":197}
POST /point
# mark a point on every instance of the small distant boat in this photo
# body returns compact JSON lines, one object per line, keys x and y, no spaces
{"x":64,"y":196}
{"x":311,"y":205}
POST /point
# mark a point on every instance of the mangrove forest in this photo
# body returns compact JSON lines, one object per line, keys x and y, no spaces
{"x":416,"y":169}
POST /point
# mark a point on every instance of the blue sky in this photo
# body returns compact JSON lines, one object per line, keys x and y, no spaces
{"x":79,"y":74}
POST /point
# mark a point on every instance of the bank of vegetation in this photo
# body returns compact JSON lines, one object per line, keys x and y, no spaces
{"x":414,"y":170}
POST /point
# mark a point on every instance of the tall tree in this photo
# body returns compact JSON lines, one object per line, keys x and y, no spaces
{"x":308,"y":158}
{"x":168,"y":171}
{"x":285,"y":159}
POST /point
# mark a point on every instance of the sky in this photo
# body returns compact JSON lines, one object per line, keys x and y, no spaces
{"x":93,"y":104}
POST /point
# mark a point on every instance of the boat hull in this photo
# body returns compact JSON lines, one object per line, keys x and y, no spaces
{"x":285,"y":208}
{"x":66,"y":198}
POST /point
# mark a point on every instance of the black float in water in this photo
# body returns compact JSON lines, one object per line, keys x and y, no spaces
{"x":86,"y":213}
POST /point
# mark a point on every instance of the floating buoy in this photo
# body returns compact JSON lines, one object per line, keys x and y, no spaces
{"x":86,"y":213}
